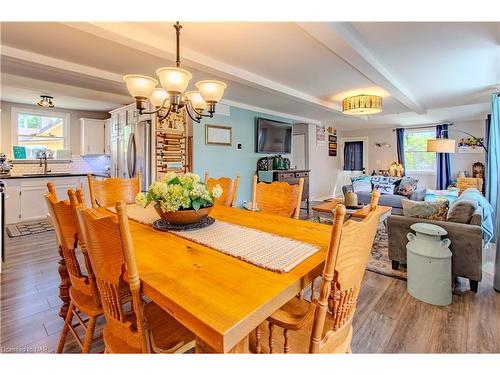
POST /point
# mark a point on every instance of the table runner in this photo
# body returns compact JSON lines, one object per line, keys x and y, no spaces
{"x":262,"y":249}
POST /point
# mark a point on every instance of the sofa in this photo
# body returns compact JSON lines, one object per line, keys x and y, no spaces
{"x":389,"y":200}
{"x":466,"y":243}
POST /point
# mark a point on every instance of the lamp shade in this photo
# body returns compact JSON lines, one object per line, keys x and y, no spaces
{"x":441,"y":145}
{"x":174,"y":80}
{"x":210,"y":90}
{"x":140,"y":86}
{"x":362,"y":105}
{"x":158,"y":97}
{"x":196,"y":100}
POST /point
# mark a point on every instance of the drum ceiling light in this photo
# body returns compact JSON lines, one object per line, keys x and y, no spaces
{"x":171,"y":97}
{"x":362,"y":105}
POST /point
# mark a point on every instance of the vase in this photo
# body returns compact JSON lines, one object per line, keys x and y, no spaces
{"x":181,"y":217}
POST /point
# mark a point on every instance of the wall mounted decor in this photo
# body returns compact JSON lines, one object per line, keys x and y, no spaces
{"x":218,"y":135}
{"x":320,"y":135}
{"x":332,"y":144}
{"x":470,"y":145}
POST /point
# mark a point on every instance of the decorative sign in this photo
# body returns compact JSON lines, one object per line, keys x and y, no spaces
{"x":19,"y":152}
{"x":218,"y":135}
{"x":332,"y":144}
{"x":320,"y":135}
{"x":469,"y":146}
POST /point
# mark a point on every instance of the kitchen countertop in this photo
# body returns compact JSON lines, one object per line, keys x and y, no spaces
{"x":50,"y":175}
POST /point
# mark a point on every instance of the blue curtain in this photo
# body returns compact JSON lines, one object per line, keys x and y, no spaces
{"x":442,"y":161}
{"x":493,"y":156}
{"x":353,"y":156}
{"x":492,"y":176}
{"x":400,"y":142}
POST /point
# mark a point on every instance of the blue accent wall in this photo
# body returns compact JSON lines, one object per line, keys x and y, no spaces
{"x":227,"y":160}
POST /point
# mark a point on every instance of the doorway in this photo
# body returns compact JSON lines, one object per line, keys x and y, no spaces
{"x":354,"y":154}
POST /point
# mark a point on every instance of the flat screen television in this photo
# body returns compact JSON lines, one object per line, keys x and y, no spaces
{"x":273,"y":137}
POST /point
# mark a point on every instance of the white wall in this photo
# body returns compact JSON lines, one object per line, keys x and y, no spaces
{"x":323,"y":168}
{"x":75,"y":115}
{"x":386,"y":156}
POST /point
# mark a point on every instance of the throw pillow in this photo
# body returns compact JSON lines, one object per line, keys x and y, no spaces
{"x":425,"y":210}
{"x":461,"y":211}
{"x":361,"y":184}
{"x":433,"y":195}
{"x":386,"y":185}
{"x":384,"y":188}
{"x":407,"y":186}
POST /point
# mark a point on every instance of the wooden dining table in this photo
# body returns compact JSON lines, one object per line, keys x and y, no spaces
{"x":222,"y":299}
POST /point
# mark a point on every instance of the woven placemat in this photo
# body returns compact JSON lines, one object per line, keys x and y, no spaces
{"x":262,"y":249}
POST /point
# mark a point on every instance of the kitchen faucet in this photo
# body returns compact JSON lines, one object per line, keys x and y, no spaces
{"x":43,"y":156}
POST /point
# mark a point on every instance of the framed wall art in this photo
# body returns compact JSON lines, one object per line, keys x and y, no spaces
{"x":218,"y":135}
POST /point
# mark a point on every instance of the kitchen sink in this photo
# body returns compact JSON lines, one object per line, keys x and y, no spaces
{"x":55,"y":174}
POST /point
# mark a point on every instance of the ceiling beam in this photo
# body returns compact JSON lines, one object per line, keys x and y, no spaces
{"x":58,"y":64}
{"x":137,"y":37}
{"x":345,"y":41}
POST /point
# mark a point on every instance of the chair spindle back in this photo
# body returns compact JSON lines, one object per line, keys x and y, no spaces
{"x":115,"y":269}
{"x":279,"y":198}
{"x":345,"y":264}
{"x":229,"y":189}
{"x":108,"y":192}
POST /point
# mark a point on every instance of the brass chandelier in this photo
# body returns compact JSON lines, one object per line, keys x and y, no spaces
{"x":171,"y":96}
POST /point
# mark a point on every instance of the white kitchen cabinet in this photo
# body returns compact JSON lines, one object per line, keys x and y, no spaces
{"x":12,"y":202}
{"x":92,"y":136}
{"x":26,"y":200}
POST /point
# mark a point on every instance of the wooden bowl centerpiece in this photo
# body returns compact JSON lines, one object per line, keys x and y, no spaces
{"x":180,"y":199}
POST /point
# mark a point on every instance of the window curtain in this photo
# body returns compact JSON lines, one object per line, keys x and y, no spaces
{"x":487,"y":124}
{"x":400,"y":142}
{"x":353,"y":156}
{"x":443,"y":164}
{"x":492,"y":176}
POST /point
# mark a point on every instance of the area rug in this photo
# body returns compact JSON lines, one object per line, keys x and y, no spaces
{"x":25,"y":229}
{"x":379,"y":261}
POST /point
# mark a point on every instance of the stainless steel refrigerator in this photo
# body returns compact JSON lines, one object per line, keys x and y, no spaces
{"x":131,"y":151}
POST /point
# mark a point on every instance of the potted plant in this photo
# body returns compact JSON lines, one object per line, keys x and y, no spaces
{"x":180,"y":199}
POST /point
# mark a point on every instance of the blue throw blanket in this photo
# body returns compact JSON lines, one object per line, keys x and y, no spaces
{"x":472,"y":194}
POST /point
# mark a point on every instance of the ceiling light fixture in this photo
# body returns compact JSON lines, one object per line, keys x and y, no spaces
{"x":46,"y":101}
{"x":170,"y":98}
{"x":362,"y":105}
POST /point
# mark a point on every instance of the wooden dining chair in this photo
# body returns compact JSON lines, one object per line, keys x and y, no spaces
{"x":83,"y":291}
{"x":107,"y":192}
{"x":229,"y":189}
{"x":324,"y":325}
{"x":279,"y":198}
{"x":138,"y":327}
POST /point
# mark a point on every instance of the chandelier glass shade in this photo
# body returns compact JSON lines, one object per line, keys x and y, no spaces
{"x":362,"y":105}
{"x":140,"y":86}
{"x":171,"y":97}
{"x":196,"y":100}
{"x":174,"y":80}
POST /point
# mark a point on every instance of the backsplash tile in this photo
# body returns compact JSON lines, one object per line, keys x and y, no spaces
{"x":78,"y":164}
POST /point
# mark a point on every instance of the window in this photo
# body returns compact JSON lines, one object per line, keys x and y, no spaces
{"x":417,"y":159}
{"x":40,"y":131}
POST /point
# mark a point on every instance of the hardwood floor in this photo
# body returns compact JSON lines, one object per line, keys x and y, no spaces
{"x":387,"y":320}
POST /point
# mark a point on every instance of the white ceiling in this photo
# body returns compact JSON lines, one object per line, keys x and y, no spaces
{"x":426,"y":72}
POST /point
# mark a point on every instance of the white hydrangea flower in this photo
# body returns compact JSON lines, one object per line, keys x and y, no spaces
{"x":217,"y":191}
{"x":141,"y":200}
{"x":169,"y":177}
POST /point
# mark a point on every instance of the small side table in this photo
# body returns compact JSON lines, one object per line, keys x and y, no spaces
{"x":326,"y":207}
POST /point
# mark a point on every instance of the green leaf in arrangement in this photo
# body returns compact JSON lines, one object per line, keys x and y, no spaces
{"x":174,"y":181}
{"x":196,"y":204}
